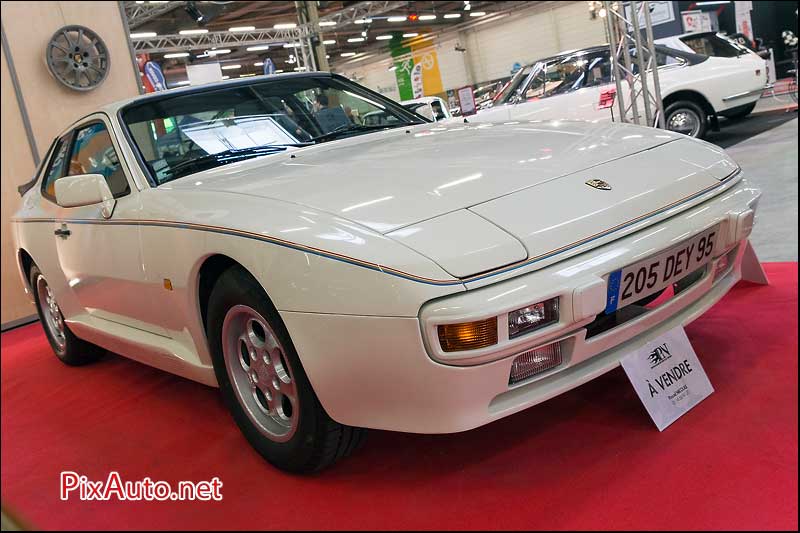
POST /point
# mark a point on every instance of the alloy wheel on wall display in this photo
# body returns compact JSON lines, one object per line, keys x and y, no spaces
{"x":78,"y":58}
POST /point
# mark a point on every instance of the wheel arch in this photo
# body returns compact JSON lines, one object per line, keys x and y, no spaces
{"x":25,"y":262}
{"x":209,"y":272}
{"x":692,"y":96}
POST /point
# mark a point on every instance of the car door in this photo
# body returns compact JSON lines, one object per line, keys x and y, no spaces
{"x":101,"y":258}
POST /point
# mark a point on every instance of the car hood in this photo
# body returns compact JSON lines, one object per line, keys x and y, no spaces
{"x":476,"y":197}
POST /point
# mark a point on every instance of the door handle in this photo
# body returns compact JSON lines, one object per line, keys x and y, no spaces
{"x":63,"y":232}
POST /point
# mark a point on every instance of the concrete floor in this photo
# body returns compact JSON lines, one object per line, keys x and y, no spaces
{"x":765,"y":145}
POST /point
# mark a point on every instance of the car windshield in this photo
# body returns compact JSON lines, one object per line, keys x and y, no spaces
{"x":420,"y":108}
{"x":511,"y":87}
{"x":182,"y":134}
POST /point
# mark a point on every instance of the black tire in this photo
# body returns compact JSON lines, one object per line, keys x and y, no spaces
{"x":72,"y":351}
{"x":673,"y":111}
{"x":318,"y":441}
{"x":739,"y":112}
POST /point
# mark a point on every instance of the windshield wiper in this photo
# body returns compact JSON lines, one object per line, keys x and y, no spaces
{"x":350,"y":128}
{"x":227,"y":156}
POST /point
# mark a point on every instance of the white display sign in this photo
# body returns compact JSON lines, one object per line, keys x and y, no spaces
{"x":466,"y":100}
{"x":204,"y":73}
{"x":660,"y":13}
{"x":699,"y":21}
{"x":667,"y":376}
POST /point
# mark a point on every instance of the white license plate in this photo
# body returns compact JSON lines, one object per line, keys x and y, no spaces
{"x":639,"y":280}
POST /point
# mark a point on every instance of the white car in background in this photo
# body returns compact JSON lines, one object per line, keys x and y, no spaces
{"x":431,"y":107}
{"x":578,"y":85}
{"x":406,"y":276}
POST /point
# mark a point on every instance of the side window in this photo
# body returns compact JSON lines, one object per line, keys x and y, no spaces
{"x":56,"y":169}
{"x":598,"y":70}
{"x":663,"y":59}
{"x":438,"y":112}
{"x":711,"y":45}
{"x":93,"y":153}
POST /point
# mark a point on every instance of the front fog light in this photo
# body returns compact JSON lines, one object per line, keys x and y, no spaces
{"x":532,"y":317}
{"x":534,"y":362}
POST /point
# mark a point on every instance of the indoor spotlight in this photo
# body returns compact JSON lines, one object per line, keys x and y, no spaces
{"x":196,"y":14}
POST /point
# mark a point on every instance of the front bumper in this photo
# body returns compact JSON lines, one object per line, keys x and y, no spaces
{"x":383,"y":373}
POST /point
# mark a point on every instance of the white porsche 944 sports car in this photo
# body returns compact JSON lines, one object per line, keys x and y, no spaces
{"x":330,"y":276}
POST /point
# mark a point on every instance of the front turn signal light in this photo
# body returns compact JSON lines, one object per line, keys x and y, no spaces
{"x":468,"y":335}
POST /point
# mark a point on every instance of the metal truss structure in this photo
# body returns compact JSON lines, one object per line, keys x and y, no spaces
{"x":182,"y":43}
{"x":633,"y":63}
{"x":360,"y":11}
{"x":138,"y":13}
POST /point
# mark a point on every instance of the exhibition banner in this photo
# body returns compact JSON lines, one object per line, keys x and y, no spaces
{"x":667,"y":376}
{"x":417,"y":68}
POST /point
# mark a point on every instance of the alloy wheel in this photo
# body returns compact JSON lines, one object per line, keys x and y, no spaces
{"x":51,"y":313}
{"x":260,"y":373}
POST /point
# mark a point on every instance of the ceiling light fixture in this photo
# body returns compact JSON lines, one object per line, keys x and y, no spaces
{"x":279,"y":71}
{"x":284,"y":26}
{"x":362,"y":21}
{"x":325,"y":23}
{"x":241,"y":28}
{"x":347,"y":54}
{"x":290,"y":45}
{"x":246,"y":75}
{"x":410,"y":34}
{"x":193,"y":32}
{"x":427,"y":17}
{"x":453,"y":16}
{"x":143,"y":35}
{"x":176,"y":54}
{"x":355,"y":40}
{"x":258,"y":64}
{"x":396,"y":19}
{"x":329,"y":41}
{"x":226,"y":77}
{"x":196,"y":14}
{"x":383,"y":37}
{"x":231,"y":67}
{"x":477,"y":14}
{"x":257,"y":48}
{"x":218,"y":52}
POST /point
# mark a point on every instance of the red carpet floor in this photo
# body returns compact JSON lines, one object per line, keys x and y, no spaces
{"x":587,"y":459}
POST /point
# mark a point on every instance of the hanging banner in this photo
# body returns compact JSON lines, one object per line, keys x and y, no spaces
{"x":744,"y":24}
{"x":403,"y":71}
{"x":416,"y":81}
{"x":269,"y":67}
{"x":417,"y":73}
{"x":155,"y":76}
{"x":424,"y":55}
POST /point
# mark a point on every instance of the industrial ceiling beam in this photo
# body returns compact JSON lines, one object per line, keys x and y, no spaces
{"x":361,"y":10}
{"x":138,"y":13}
{"x":182,"y":43}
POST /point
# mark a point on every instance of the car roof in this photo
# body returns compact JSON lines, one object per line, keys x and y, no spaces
{"x":421,"y":100}
{"x":113,"y":107}
{"x":604,"y":47}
